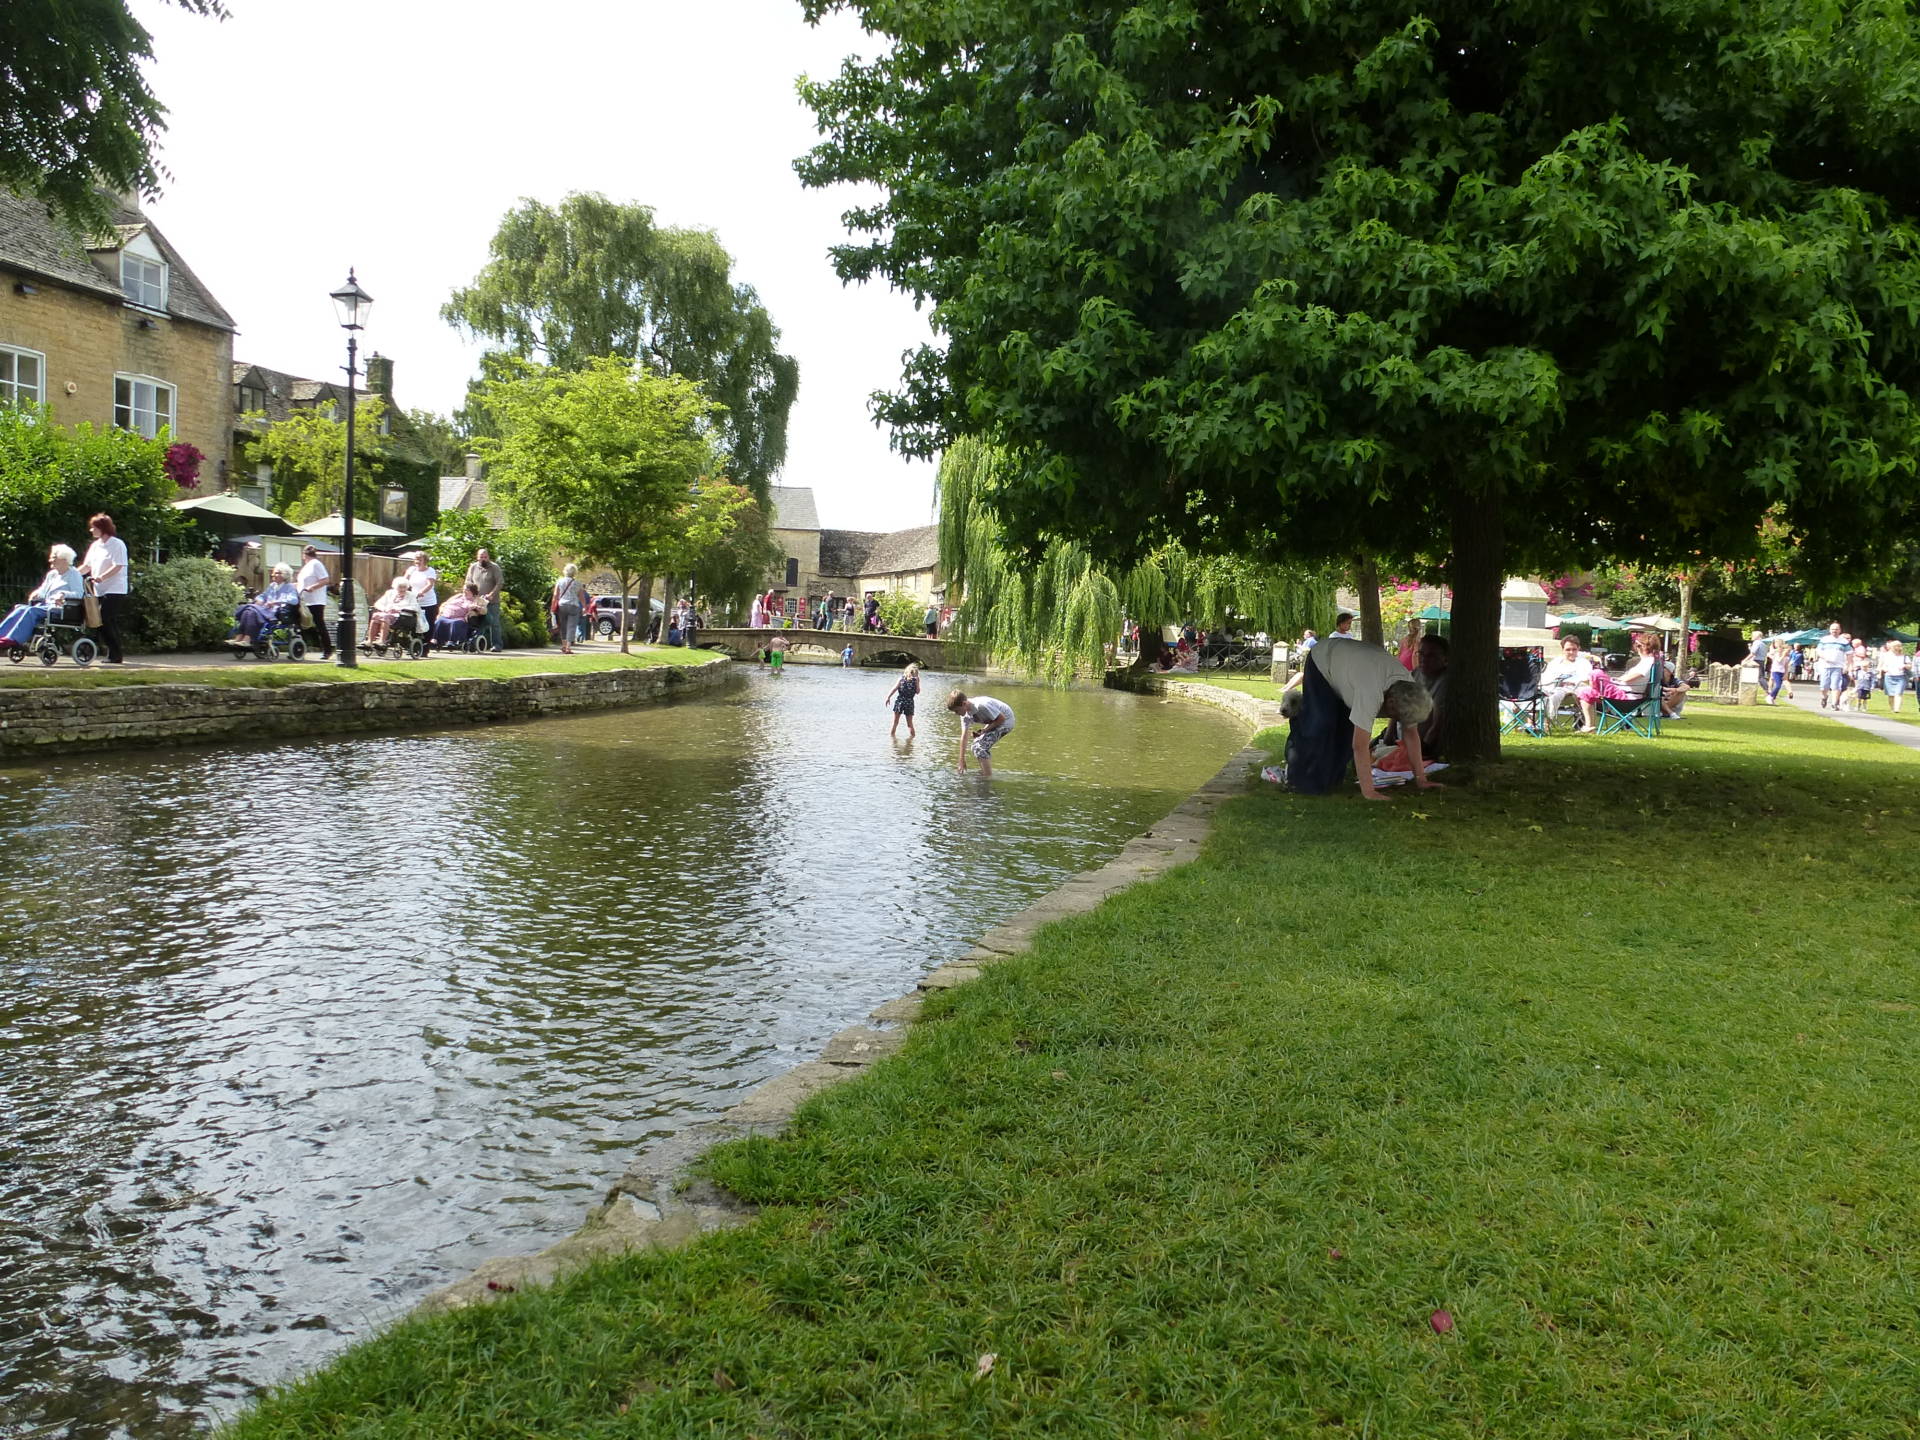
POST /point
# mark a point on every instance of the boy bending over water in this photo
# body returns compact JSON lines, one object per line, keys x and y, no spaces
{"x":985,"y":721}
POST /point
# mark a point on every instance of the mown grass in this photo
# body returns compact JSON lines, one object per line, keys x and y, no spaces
{"x":1609,"y":1056}
{"x":251,"y":673}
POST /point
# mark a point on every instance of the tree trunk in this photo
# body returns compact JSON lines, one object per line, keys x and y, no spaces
{"x":1680,"y":664}
{"x":1473,"y":672}
{"x":1152,"y":646}
{"x":1366,"y":582}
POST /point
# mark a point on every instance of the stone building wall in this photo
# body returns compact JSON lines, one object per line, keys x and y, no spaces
{"x":88,"y":339}
{"x":36,"y":722}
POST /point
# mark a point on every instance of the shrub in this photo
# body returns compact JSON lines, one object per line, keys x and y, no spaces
{"x":52,"y":478}
{"x":902,"y":613}
{"x":181,"y":605}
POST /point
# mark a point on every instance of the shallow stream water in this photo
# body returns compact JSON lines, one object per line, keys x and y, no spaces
{"x":292,"y":1034}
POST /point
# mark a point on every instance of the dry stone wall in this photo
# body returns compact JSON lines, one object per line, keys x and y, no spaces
{"x":35,"y":722}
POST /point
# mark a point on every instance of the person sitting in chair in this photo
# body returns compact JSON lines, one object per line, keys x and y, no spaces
{"x":396,"y":602}
{"x":1562,"y":681}
{"x":62,"y":583}
{"x":254,"y":617}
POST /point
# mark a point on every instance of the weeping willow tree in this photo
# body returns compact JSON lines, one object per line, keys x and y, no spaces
{"x":1058,"y":616}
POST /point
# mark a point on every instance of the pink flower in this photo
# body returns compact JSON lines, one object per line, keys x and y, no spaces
{"x":182,"y":463}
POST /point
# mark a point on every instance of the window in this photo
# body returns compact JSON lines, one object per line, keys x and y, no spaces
{"x":793,"y":570}
{"x":252,"y":397}
{"x":23,"y":376}
{"x":142,"y":404}
{"x":144,"y":281}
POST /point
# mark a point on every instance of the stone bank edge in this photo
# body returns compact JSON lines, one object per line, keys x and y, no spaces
{"x":659,"y":1205}
{"x":42,"y":722}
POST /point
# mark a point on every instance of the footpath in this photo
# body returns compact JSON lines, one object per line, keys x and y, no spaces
{"x":1885,"y":726}
{"x":1532,"y":1109}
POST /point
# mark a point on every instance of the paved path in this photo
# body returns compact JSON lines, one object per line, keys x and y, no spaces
{"x":223,"y":659}
{"x":1805,"y":697}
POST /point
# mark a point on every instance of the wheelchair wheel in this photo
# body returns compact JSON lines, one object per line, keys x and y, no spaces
{"x":49,"y":653}
{"x":415,"y":648}
{"x":16,"y":653}
{"x":296,"y":649}
{"x":85,"y":651}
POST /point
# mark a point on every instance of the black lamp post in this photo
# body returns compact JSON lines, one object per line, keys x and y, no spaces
{"x":353,"y":305}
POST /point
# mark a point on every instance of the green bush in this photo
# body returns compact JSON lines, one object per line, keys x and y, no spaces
{"x":902,"y":613}
{"x":181,"y":605}
{"x":525,"y":558}
{"x":518,"y":629}
{"x":53,"y":478}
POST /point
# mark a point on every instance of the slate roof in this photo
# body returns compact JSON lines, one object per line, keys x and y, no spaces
{"x":793,"y":508}
{"x":902,"y":551}
{"x":843,"y":553}
{"x":33,"y":242}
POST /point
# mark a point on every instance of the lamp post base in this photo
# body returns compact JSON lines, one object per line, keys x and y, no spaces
{"x":344,"y":653}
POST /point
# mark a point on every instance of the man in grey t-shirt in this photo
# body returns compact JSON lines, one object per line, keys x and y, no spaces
{"x":487,"y":577}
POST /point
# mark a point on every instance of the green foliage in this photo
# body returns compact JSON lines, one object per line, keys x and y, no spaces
{"x":181,"y":605}
{"x":75,"y":109}
{"x":1058,"y":615}
{"x":594,"y":278}
{"x":615,"y":462}
{"x":1493,"y":286}
{"x":54,"y":478}
{"x":442,"y":438}
{"x":902,"y":613}
{"x":308,"y":453}
{"x":731,"y":569}
{"x":524,"y":554}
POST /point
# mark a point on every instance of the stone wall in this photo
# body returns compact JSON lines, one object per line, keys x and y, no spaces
{"x":1259,"y":714}
{"x":36,"y":722}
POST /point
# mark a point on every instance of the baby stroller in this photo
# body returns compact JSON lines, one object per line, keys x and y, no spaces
{"x":398,"y":639}
{"x":279,"y":639}
{"x":63,"y":632}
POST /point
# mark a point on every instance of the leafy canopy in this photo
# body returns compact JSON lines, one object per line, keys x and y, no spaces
{"x":54,"y":478}
{"x":1495,"y":285}
{"x":620,"y":464}
{"x":75,"y":108}
{"x":308,"y":454}
{"x":592,"y":277}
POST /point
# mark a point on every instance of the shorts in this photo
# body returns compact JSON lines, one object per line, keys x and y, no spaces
{"x":777,"y":658}
{"x":903,"y":707}
{"x":984,"y":742}
{"x":1833,"y":677}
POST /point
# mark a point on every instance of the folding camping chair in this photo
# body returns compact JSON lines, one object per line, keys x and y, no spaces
{"x":1636,"y":717}
{"x":1522,"y":705}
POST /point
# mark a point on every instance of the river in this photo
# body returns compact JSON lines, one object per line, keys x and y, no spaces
{"x":292,"y":1034}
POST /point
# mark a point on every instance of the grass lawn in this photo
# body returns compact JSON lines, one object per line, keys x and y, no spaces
{"x":1259,"y":686}
{"x":1609,"y":1056}
{"x":248,"y":672}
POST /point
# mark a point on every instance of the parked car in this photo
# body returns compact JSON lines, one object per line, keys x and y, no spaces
{"x":603,"y":614}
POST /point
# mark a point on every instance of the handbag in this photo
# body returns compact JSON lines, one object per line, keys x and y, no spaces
{"x":90,"y":603}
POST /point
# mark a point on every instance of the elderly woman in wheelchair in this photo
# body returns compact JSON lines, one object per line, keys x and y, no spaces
{"x":63,"y":586}
{"x":276,"y":605}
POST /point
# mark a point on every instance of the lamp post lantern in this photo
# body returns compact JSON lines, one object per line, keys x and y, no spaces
{"x":353,"y":305}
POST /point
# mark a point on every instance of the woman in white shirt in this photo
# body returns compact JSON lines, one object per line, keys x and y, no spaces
{"x":1893,"y":672}
{"x":313,"y":580}
{"x":422,"y":579}
{"x":106,"y":566}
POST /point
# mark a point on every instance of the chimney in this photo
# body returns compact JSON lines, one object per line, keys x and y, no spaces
{"x":473,"y":466}
{"x":380,"y":376}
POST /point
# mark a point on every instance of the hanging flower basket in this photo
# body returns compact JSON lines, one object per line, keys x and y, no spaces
{"x":183,"y":464}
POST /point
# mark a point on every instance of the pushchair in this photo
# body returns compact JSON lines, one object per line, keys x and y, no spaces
{"x":279,"y":639}
{"x":63,"y":632}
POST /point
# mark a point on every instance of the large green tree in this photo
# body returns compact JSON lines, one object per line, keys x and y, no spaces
{"x":307,"y":452}
{"x":593,"y":277}
{"x":619,"y":464}
{"x":76,"y":111}
{"x":1481,"y":284}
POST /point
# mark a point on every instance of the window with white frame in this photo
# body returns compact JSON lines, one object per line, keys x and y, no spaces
{"x":143,"y":280}
{"x":23,"y":376}
{"x":142,"y":404}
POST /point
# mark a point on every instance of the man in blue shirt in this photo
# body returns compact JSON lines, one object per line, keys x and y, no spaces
{"x":1834,"y":651}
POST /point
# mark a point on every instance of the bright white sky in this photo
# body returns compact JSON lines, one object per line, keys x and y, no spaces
{"x":392,"y":135}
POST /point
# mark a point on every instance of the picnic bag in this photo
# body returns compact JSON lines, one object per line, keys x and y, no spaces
{"x":90,"y":602}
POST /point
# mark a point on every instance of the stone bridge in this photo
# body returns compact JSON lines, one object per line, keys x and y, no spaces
{"x":868,"y":649}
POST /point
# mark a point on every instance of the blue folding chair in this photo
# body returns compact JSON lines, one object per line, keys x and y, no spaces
{"x":1636,"y":717}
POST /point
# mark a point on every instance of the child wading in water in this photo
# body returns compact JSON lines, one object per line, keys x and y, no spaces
{"x":777,"y":652}
{"x":986,"y":721}
{"x":902,"y":695}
